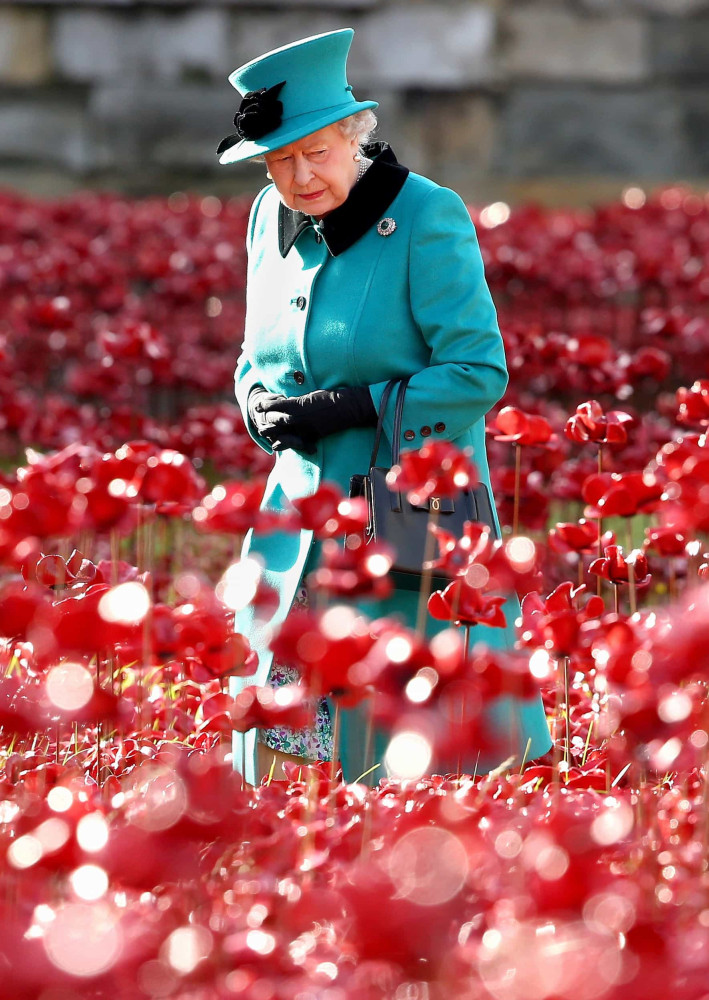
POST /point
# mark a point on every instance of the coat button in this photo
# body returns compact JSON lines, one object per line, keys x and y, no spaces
{"x":299,"y":377}
{"x":301,"y":302}
{"x":425,"y":431}
{"x":439,"y":427}
{"x":409,"y":435}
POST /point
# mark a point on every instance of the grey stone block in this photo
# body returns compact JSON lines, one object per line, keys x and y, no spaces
{"x":120,"y":45}
{"x":25,"y":55}
{"x":92,"y":44}
{"x":665,"y":8}
{"x":680,"y":48}
{"x":548,"y":42}
{"x":45,"y":129}
{"x":426,"y":45}
{"x":580,"y":130}
{"x":158,"y":123}
{"x":694,"y":111}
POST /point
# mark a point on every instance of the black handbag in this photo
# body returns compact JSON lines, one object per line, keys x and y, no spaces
{"x":403,"y":525}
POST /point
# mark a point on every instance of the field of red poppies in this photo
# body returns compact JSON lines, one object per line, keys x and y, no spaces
{"x":134,"y":863}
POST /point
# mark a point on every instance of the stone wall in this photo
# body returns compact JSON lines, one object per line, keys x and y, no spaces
{"x":498,"y":98}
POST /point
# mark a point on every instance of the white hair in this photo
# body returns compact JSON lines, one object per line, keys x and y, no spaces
{"x":360,"y":125}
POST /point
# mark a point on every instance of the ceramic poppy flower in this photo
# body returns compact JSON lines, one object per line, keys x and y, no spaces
{"x":555,"y":622}
{"x":467,"y":605}
{"x":590,"y":423}
{"x":355,"y":569}
{"x":647,"y":363}
{"x":267,"y":707}
{"x":53,"y":570}
{"x":665,"y":541}
{"x":171,"y":482}
{"x":99,"y":617}
{"x":327,"y":513}
{"x":621,"y":494}
{"x":518,"y":427}
{"x":233,"y":507}
{"x":616,"y":567}
{"x":438,"y":468}
{"x":325,"y":648}
{"x":693,"y":404}
{"x":578,"y":536}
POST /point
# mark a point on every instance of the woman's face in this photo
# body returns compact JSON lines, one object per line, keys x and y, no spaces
{"x":315,"y":174}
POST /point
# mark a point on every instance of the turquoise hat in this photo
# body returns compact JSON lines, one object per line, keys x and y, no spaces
{"x":289,"y":93}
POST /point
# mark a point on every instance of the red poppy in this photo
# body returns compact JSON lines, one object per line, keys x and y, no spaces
{"x":21,"y":607}
{"x":267,"y":707}
{"x":355,"y":569}
{"x":555,"y":622}
{"x":233,"y":508}
{"x":438,"y":468}
{"x":327,"y":513}
{"x":204,"y":629}
{"x":171,"y":482}
{"x":53,"y":570}
{"x":616,"y":567}
{"x":665,"y":541}
{"x":464,"y":604}
{"x":590,"y":423}
{"x":621,"y":494}
{"x":325,"y":647}
{"x":578,"y":536}
{"x":693,"y":404}
{"x":681,"y":456}
{"x":647,"y":363}
{"x":85,"y":625}
{"x":522,"y":428}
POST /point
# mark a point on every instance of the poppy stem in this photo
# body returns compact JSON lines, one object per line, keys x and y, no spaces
{"x":335,"y":742}
{"x":556,"y":778}
{"x":115,"y":555}
{"x":567,"y":747}
{"x":581,"y":570}
{"x":518,"y":475}
{"x":599,"y":548}
{"x":427,"y":573}
{"x":616,"y":598}
{"x":631,"y":567}
{"x":368,"y":737}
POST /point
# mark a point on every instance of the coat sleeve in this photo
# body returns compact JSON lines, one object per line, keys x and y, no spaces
{"x":245,"y":376}
{"x":454,"y":312}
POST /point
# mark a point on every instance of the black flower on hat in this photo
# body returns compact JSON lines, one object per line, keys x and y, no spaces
{"x":260,"y":112}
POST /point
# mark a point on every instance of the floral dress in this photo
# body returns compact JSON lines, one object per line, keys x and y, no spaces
{"x":314,"y":742}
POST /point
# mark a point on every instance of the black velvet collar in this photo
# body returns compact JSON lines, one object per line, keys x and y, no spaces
{"x":366,"y":203}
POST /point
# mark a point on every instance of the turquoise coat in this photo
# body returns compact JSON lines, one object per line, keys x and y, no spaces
{"x":341,"y":304}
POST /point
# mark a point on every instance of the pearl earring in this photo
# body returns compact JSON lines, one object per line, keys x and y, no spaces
{"x":268,"y":174}
{"x":356,"y":157}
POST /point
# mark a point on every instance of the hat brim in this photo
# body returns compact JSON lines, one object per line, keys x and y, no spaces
{"x":292,"y":130}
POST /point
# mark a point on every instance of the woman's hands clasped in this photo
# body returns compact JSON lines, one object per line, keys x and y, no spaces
{"x":299,"y":422}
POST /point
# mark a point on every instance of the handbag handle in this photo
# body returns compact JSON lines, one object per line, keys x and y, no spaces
{"x":380,"y":420}
{"x":398,"y":416}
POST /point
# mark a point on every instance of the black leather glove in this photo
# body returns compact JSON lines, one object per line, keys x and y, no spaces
{"x":317,"y":414}
{"x":263,"y":412}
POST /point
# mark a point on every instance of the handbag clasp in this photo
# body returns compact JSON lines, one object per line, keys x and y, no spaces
{"x":435,"y":503}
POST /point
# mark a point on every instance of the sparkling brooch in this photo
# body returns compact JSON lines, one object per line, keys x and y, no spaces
{"x":386,"y":227}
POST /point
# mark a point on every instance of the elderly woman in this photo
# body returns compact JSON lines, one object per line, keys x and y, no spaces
{"x":359,"y":271}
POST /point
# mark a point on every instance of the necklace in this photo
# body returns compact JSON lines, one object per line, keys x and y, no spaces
{"x":364,"y":166}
